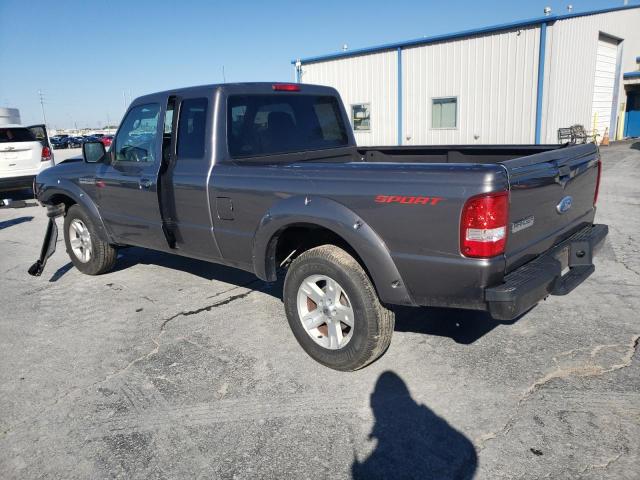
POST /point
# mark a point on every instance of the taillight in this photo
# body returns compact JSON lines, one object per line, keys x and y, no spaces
{"x":286,"y":87}
{"x":483,"y":225}
{"x":46,"y":154}
{"x":595,"y":194}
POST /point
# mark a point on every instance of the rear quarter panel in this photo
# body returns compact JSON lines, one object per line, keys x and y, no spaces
{"x":423,"y":238}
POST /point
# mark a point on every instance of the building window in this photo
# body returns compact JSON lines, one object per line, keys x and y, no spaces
{"x":444,"y":112}
{"x":361,"y":117}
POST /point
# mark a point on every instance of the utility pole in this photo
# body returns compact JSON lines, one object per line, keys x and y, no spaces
{"x":44,"y":117}
{"x":224,"y":77}
{"x":124,"y":100}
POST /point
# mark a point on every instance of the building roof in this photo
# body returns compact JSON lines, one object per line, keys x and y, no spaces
{"x":461,"y":34}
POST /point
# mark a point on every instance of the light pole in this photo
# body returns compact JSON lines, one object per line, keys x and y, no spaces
{"x":44,"y":117}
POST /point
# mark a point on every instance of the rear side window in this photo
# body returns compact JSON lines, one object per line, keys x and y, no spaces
{"x":270,"y":124}
{"x":191,"y":128}
{"x":8,"y":135}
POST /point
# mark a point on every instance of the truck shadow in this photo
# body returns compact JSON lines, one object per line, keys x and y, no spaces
{"x":411,"y":440}
{"x":462,"y":326}
{"x":131,"y":256}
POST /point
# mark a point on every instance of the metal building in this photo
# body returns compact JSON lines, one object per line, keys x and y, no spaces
{"x":510,"y":83}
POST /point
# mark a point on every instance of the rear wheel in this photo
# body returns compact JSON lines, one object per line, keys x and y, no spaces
{"x":334,"y":311}
{"x":87,"y":252}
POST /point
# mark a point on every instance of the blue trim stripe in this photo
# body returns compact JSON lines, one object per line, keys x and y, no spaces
{"x":461,"y":34}
{"x":632,"y":75}
{"x":399,"y":96}
{"x":540,"y":91}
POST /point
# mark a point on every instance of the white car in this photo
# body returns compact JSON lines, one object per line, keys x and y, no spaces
{"x":24,"y":153}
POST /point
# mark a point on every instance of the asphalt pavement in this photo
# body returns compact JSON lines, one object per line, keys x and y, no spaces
{"x":175,"y":368}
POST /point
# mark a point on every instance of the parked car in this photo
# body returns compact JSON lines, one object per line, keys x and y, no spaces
{"x":74,"y":142}
{"x":24,"y":152}
{"x":265,"y":177}
{"x":58,"y":142}
{"x":106,"y":140}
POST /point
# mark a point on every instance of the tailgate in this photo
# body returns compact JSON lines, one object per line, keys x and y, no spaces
{"x":17,"y":158}
{"x":552,"y":196}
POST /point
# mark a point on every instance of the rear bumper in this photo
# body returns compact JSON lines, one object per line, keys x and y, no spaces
{"x":534,"y":281}
{"x":16,"y":183}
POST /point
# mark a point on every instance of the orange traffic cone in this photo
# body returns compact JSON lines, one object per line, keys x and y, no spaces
{"x":605,"y":138}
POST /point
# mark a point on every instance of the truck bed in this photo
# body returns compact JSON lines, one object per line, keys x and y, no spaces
{"x":452,"y":153}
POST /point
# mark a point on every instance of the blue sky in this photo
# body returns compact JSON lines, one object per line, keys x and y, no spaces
{"x":83,"y":54}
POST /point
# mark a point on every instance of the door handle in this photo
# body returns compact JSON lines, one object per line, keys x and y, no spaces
{"x":144,"y":183}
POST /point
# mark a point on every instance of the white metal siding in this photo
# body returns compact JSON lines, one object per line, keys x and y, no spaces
{"x":604,"y":81}
{"x":369,"y":79}
{"x":572,"y":47}
{"x":494,"y":78}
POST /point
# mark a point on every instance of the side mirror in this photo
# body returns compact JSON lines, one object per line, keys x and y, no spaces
{"x":93,"y":152}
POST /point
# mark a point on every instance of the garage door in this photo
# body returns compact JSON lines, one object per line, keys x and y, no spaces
{"x":605,"y":79}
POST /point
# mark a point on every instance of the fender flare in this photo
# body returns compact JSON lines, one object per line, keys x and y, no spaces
{"x":343,"y":222}
{"x":80,"y":197}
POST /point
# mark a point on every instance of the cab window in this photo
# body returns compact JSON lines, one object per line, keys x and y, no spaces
{"x":136,"y":139}
{"x":191,"y":128}
{"x":275,"y":124}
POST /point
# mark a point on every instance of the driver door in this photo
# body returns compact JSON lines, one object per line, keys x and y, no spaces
{"x":126,"y":186}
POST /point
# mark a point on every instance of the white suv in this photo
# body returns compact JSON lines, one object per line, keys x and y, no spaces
{"x":24,"y":152}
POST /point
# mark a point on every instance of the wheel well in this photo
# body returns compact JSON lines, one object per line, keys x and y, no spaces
{"x":294,"y":240}
{"x":61,"y":198}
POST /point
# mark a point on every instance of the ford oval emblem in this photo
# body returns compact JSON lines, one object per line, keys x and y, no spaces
{"x":565,"y":204}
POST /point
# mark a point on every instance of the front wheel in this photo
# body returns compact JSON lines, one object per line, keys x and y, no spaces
{"x":87,"y":252}
{"x":334,"y":311}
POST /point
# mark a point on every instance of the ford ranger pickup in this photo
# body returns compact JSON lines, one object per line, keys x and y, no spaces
{"x":268,"y":178}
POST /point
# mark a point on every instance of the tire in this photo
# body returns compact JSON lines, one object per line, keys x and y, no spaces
{"x":101,"y":256}
{"x":336,"y":344}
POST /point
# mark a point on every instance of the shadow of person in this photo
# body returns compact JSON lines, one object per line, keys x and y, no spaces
{"x":412,"y":441}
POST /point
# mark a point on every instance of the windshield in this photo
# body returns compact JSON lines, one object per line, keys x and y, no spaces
{"x":17,"y":134}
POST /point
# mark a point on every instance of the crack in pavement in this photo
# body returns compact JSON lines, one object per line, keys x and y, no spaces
{"x":155,"y":340}
{"x":208,"y":308}
{"x":602,"y":466}
{"x":562,"y":373}
{"x":623,"y":255}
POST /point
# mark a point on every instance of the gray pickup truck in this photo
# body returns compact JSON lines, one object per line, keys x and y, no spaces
{"x":268,"y":178}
